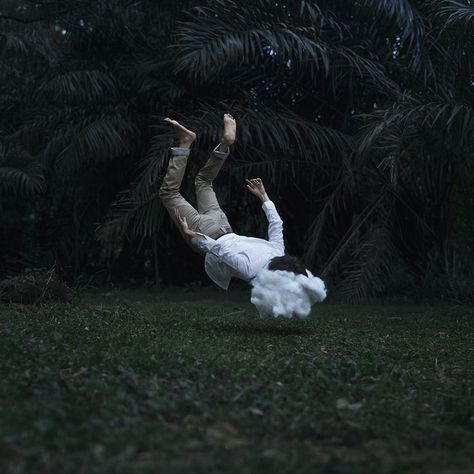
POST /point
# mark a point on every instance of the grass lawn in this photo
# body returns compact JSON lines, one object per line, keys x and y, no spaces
{"x":180,"y":382}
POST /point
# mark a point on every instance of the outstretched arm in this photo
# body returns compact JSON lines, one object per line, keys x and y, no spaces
{"x":256,"y":187}
{"x":275,"y":224}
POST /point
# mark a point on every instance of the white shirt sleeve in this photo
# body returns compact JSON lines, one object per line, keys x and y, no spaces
{"x":275,"y":224}
{"x":206,"y":244}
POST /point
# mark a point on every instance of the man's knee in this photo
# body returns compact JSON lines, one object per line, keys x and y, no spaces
{"x":198,"y":180}
{"x":165,"y":194}
{"x":162,"y":193}
{"x":201,"y":180}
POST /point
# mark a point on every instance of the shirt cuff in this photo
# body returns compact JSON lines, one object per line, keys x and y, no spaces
{"x":220,"y":154}
{"x":178,"y":151}
{"x":268,"y":205}
{"x":205,"y":244}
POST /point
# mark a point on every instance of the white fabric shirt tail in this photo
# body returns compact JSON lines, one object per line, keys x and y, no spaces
{"x":242,"y":257}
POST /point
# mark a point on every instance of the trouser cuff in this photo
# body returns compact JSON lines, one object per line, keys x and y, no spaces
{"x":220,"y":154}
{"x":178,"y":151}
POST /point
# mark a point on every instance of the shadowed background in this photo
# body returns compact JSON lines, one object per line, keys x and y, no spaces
{"x":357,"y":115}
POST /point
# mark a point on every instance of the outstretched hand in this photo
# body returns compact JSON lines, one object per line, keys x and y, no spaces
{"x":256,"y":187}
{"x":183,"y":223}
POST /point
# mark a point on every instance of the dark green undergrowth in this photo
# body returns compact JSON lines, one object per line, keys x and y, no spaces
{"x":190,"y":382}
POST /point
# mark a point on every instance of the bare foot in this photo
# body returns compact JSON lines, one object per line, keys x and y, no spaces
{"x":186,"y":137}
{"x":230,"y":128}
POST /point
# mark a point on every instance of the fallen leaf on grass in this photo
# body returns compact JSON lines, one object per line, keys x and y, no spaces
{"x":227,"y":434}
{"x":343,"y":404}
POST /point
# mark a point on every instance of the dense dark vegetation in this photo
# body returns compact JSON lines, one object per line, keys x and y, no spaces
{"x":358,"y":115}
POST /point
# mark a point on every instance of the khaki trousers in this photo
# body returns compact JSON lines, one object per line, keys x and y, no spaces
{"x":209,"y":219}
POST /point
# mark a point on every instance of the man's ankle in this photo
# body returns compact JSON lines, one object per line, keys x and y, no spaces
{"x":219,"y":153}
{"x":223,"y":147}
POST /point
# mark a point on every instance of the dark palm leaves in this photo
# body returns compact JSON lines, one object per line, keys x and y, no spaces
{"x":20,"y":183}
{"x":262,"y":131}
{"x":457,"y":15}
{"x":79,"y":86}
{"x":12,"y":44}
{"x":386,"y":125}
{"x":395,"y":16}
{"x":20,"y":175}
{"x":137,"y":212}
{"x":371,"y":264}
{"x":300,"y":77}
{"x":230,"y":36}
{"x":104,"y":138}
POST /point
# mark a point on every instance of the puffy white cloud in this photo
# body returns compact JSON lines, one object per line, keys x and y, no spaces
{"x":281,"y":293}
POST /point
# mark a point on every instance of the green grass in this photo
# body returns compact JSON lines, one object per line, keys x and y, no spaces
{"x":178,"y":383}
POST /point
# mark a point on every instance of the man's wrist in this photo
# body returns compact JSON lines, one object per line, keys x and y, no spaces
{"x":264,"y":197}
{"x":194,"y":235}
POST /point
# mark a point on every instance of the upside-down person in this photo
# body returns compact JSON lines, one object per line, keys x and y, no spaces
{"x":281,"y":284}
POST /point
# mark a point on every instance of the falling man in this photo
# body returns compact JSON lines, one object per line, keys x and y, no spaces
{"x":281,"y":285}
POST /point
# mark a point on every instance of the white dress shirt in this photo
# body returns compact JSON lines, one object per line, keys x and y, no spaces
{"x":242,"y":257}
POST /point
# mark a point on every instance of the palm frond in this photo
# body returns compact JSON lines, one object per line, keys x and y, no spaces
{"x":366,"y":69}
{"x":334,"y":203}
{"x":153,"y":162}
{"x":132,"y":216}
{"x":368,"y":271}
{"x":12,"y":44}
{"x":20,"y":173}
{"x":105,"y":138}
{"x":263,"y":131}
{"x":449,"y":117}
{"x":246,"y":38}
{"x":137,"y":212}
{"x":20,"y":183}
{"x":352,"y":233}
{"x":26,"y":49}
{"x":85,"y":86}
{"x":397,"y":16}
{"x":457,"y":15}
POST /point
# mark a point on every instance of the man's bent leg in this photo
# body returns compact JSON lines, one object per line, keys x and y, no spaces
{"x":206,"y":197}
{"x":208,"y":204}
{"x":169,"y":190}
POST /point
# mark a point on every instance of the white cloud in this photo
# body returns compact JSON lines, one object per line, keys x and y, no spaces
{"x":281,"y":293}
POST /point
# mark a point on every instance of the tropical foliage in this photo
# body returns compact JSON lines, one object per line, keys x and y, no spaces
{"x":358,"y":115}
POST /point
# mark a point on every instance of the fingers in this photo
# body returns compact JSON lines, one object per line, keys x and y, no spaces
{"x":252,"y":186}
{"x":255,"y":186}
{"x":182,"y":220}
{"x":254,"y":182}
